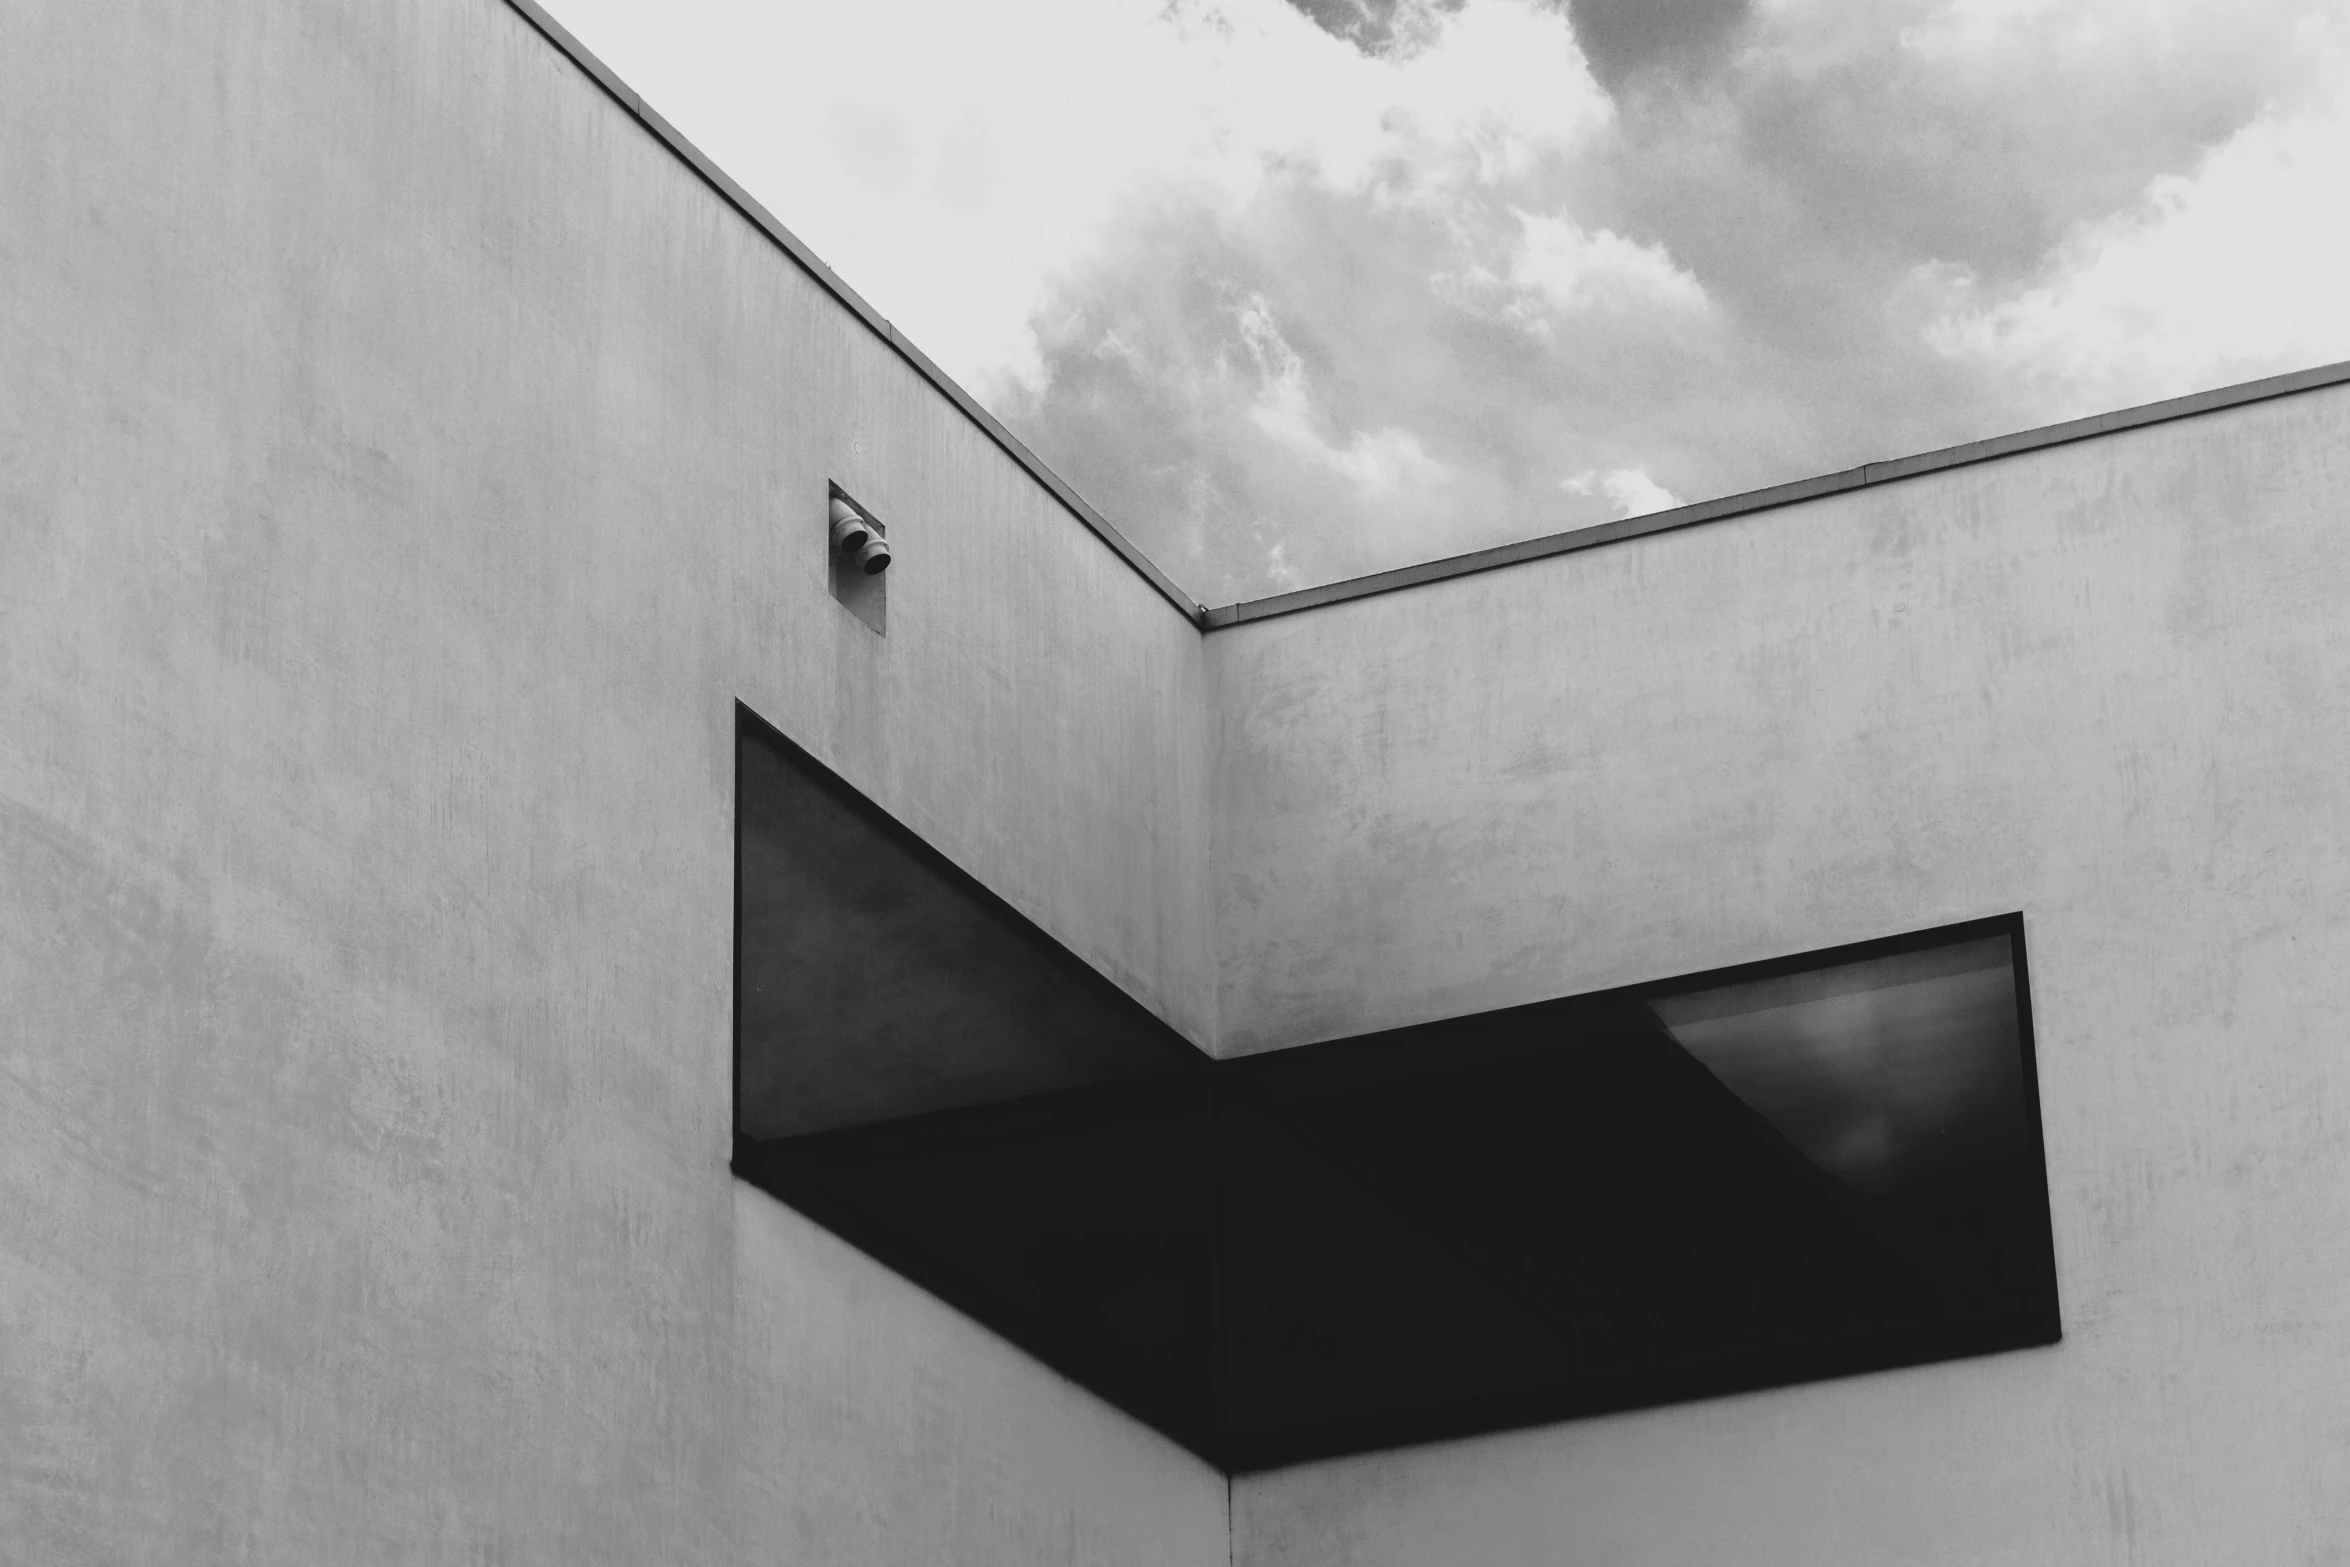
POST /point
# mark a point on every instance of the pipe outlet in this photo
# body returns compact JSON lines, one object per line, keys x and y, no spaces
{"x":851,"y":533}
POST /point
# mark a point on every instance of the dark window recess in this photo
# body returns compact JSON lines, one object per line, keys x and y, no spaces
{"x":1806,"y":1168}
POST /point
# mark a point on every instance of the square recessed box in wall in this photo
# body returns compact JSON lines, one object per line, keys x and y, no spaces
{"x":857,"y":555}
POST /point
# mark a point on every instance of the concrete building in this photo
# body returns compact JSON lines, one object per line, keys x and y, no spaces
{"x":411,"y":454}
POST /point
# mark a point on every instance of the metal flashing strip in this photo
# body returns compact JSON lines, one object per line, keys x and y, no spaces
{"x":742,"y":201}
{"x":1779,"y":495}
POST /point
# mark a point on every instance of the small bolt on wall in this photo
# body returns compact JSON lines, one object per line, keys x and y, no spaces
{"x":856,"y":547}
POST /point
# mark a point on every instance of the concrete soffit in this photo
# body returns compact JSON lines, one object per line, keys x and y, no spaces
{"x":1567,"y":543}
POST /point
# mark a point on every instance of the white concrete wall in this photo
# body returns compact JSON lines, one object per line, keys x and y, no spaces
{"x":405,"y":464}
{"x":2107,"y":684}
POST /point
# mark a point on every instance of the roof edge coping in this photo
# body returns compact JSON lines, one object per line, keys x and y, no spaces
{"x":789,"y":243}
{"x":1750,"y":501}
{"x":1500,"y":555}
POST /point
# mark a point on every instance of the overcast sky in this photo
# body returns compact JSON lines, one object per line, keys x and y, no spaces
{"x":1299,"y":289}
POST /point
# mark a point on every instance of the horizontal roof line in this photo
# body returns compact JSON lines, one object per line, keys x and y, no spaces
{"x":1778,"y":495}
{"x":1426,"y":571}
{"x":742,"y":201}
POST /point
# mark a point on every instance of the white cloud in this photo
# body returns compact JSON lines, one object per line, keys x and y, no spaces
{"x":2231,"y":270}
{"x":1958,"y":29}
{"x":1632,"y":491}
{"x":1558,"y":269}
{"x":1961,"y":33}
{"x":951,"y":161}
{"x":1568,"y":269}
{"x":1378,"y":463}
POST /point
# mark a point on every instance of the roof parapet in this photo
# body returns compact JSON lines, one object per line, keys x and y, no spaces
{"x":1776,"y":495}
{"x":790,"y":244}
{"x":1500,"y":555}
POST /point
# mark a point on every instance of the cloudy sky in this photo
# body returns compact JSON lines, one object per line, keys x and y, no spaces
{"x":1295,"y":290}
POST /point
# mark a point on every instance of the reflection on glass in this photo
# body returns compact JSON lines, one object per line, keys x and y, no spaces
{"x":1904,"y":1077}
{"x":1884,"y":1072}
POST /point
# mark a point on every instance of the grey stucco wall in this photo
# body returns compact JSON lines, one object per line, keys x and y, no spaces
{"x":2103,"y":684}
{"x":405,"y":464}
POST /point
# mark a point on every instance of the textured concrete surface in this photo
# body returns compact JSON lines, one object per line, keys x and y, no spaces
{"x":404,"y":467}
{"x":2103,"y":684}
